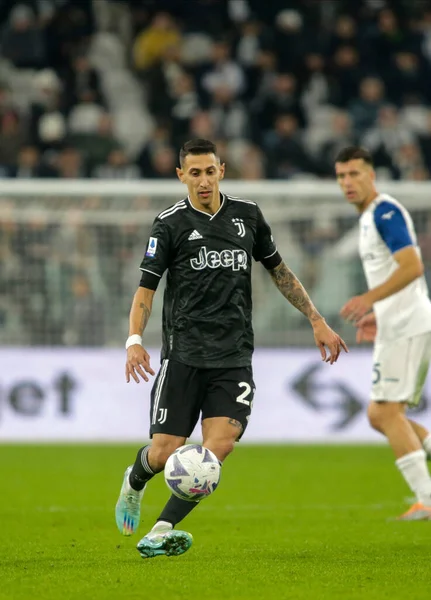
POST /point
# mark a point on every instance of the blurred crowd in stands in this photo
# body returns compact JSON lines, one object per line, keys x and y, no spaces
{"x":111,"y":89}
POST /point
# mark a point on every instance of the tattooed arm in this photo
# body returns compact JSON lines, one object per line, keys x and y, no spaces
{"x":138,"y":360}
{"x":141,"y":310}
{"x":293,"y":290}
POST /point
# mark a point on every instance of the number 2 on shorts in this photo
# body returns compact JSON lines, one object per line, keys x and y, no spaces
{"x":242,"y":397}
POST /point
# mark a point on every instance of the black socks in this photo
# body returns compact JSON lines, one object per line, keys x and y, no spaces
{"x":176,"y":510}
{"x":141,"y":471}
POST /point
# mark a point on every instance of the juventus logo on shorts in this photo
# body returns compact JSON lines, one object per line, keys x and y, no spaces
{"x":240,"y":224}
{"x":163,"y":413}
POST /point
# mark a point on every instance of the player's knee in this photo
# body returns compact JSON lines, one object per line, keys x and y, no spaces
{"x":221,"y":447}
{"x":380,"y":414}
{"x":375,"y":417}
{"x":158,"y":455}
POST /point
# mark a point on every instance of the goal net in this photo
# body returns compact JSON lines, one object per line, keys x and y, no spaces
{"x":70,"y":253}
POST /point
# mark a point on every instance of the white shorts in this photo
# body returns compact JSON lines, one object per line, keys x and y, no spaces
{"x":400,"y":369}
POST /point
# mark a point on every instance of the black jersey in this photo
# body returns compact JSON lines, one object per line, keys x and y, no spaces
{"x":207,"y":306}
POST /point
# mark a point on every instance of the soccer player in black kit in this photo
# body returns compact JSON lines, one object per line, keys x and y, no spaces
{"x":206,"y":243}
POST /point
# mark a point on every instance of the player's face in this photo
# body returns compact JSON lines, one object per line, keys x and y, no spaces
{"x":202,"y":174}
{"x":356,"y":179}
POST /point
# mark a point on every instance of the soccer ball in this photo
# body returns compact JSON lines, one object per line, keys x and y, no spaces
{"x":192,"y":472}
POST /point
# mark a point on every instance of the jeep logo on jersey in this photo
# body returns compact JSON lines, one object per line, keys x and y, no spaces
{"x":234,"y":259}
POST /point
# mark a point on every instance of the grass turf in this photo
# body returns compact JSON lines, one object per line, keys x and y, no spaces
{"x":287,"y":522}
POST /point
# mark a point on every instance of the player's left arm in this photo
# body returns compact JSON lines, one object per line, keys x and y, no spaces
{"x":293,"y":290}
{"x":265,"y":251}
{"x":410,"y":267}
{"x":393,"y":229}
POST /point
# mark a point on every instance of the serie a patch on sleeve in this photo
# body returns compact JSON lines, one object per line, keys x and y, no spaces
{"x":152,"y":247}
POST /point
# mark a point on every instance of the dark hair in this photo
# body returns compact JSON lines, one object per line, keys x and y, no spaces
{"x":196,"y":147}
{"x":352,"y":153}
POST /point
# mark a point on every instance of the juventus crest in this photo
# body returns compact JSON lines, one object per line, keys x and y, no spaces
{"x":239,"y":223}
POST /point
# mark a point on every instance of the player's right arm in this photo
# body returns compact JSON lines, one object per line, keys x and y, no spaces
{"x":138,"y":359}
{"x":154,"y":264}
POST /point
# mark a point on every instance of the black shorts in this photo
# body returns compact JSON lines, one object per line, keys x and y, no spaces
{"x":181,"y":393}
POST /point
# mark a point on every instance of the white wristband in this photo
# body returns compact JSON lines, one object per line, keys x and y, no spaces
{"x":133,"y":339}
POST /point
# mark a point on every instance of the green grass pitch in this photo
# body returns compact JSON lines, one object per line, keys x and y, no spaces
{"x":286,"y":522}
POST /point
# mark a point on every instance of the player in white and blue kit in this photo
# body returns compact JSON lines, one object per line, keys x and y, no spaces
{"x":395,"y":313}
